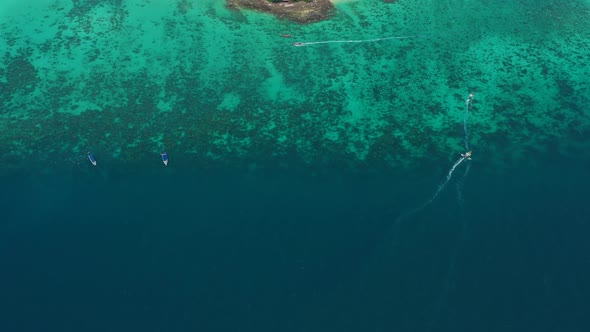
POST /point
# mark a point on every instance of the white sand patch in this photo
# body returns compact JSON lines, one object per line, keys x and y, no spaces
{"x":341,"y":1}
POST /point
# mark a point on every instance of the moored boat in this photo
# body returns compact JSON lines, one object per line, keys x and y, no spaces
{"x":164,"y":158}
{"x":91,"y":158}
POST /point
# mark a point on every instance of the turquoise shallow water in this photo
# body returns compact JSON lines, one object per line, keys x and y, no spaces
{"x":128,"y":79}
{"x":309,"y":188}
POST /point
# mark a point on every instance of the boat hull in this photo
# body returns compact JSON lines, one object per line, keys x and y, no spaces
{"x":92,"y":160}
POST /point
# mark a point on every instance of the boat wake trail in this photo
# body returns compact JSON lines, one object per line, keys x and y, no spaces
{"x":355,"y":40}
{"x":464,"y":156}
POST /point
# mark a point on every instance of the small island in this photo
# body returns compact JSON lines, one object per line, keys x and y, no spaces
{"x":301,"y":11}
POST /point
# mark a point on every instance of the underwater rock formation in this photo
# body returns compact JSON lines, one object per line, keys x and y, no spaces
{"x":301,"y":11}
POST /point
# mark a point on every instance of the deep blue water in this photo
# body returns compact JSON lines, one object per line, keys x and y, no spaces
{"x":289,"y":250}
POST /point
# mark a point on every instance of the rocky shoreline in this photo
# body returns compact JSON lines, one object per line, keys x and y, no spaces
{"x":300,"y":11}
